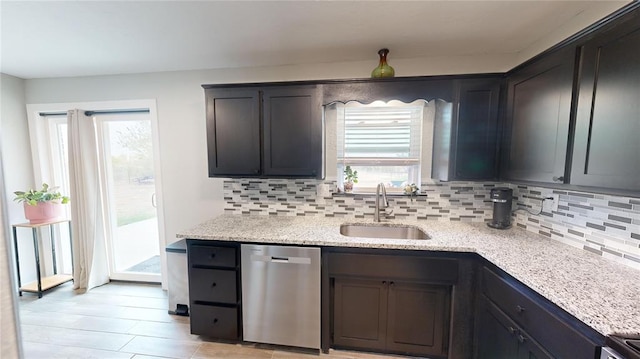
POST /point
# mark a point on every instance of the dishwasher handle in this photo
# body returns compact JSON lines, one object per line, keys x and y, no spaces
{"x":281,"y":259}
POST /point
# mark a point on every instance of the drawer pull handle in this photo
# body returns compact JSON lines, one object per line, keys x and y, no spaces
{"x":519,"y":309}
{"x":512,"y":330}
{"x":215,"y":320}
{"x":521,"y":338}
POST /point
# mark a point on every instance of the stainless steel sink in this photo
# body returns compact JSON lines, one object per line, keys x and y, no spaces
{"x":382,"y":231}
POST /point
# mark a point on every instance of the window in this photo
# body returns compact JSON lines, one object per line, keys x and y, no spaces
{"x":383,"y":142}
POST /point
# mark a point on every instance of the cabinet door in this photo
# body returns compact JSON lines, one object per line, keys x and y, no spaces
{"x":529,"y":349}
{"x":292,"y":132}
{"x":498,"y":337}
{"x":418,"y":319}
{"x":495,"y":334}
{"x":233,"y":132}
{"x":476,"y":140}
{"x":360,"y":313}
{"x":537,"y":119}
{"x":607,"y":145}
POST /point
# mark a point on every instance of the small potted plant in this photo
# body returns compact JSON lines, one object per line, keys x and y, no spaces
{"x":43,"y":205}
{"x":350,"y":177}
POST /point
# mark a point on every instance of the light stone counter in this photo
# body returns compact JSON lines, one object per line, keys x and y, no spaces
{"x":601,"y":293}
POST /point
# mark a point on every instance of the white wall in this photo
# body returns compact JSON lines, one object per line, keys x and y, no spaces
{"x":16,"y":164}
{"x":15,"y":143}
{"x":190,"y":197}
{"x":15,"y":160}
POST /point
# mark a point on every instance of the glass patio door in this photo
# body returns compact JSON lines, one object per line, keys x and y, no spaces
{"x":128,"y":185}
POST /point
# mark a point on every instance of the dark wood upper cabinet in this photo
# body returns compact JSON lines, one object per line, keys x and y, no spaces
{"x":537,"y":117}
{"x":465,"y":145}
{"x":292,"y":132}
{"x":405,"y":89}
{"x":233,"y":132}
{"x":607,"y":146}
{"x":264,"y":132}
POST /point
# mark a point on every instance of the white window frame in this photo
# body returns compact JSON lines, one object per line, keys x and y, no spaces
{"x":414,"y":163}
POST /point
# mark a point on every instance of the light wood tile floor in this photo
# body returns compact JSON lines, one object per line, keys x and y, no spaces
{"x":129,"y":320}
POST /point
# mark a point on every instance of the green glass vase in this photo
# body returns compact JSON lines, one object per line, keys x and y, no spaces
{"x":383,"y":69}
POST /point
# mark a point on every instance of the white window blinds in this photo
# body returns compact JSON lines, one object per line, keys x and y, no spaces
{"x":380,"y":135}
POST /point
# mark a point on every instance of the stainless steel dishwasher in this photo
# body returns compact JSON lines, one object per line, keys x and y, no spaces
{"x":281,"y":295}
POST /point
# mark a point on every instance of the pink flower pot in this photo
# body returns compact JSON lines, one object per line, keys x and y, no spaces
{"x":42,"y":212}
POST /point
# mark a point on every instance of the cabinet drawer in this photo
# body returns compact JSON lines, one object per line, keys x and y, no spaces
{"x":556,"y":335}
{"x":213,"y":321}
{"x":202,"y":255}
{"x":425,"y":269}
{"x":213,"y":285}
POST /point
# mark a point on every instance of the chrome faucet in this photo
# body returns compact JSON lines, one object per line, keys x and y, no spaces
{"x":385,"y":202}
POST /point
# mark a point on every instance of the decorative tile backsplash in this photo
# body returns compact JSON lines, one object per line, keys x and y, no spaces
{"x":603,"y":224}
{"x":606,"y":225}
{"x":455,"y":201}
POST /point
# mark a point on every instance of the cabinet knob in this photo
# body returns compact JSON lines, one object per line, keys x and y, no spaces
{"x":215,"y":320}
{"x":521,"y":338}
{"x":256,"y":171}
{"x":512,"y":330}
{"x":391,"y":283}
{"x":213,"y":284}
{"x":212,"y":255}
{"x":384,"y":282}
{"x":519,"y":309}
{"x":558,"y":179}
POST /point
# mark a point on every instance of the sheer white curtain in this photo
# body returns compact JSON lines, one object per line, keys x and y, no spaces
{"x":90,"y":266}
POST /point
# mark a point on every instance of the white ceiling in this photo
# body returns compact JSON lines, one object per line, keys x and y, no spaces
{"x":80,"y":38}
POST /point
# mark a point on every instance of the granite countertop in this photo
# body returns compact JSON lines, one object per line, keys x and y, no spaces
{"x":602,"y":293}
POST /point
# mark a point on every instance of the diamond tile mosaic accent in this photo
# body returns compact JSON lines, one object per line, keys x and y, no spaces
{"x":603,"y":224}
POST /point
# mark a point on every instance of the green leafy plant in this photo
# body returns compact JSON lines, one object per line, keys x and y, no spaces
{"x":46,"y":194}
{"x":350,"y":175}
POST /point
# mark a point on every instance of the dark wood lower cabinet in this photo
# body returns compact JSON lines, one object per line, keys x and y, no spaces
{"x":391,"y":316}
{"x":418,"y":318}
{"x":498,"y":337}
{"x":214,"y":321}
{"x":214,"y":289}
{"x":360,"y":313}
